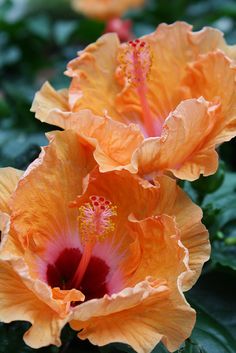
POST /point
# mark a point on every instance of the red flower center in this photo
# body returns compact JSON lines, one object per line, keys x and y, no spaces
{"x":93,"y":284}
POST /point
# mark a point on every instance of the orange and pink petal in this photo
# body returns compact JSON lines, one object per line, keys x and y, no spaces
{"x":140,"y":316}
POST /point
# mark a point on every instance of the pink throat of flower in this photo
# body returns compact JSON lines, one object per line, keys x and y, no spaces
{"x":73,"y":268}
{"x":136,"y":62}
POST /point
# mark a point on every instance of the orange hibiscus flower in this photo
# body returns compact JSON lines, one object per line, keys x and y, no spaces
{"x":107,"y":252}
{"x":104,"y":9}
{"x":177,"y":86}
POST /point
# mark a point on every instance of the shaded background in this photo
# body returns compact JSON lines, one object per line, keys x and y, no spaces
{"x":37,"y":39}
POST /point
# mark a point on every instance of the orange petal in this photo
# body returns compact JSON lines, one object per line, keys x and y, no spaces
{"x":104,"y":134}
{"x":143,"y":200}
{"x":162,"y":255}
{"x":67,"y":296}
{"x":210,"y":39}
{"x":9,"y":178}
{"x":23,"y":304}
{"x":139,"y":316}
{"x":4,"y":229}
{"x":94,"y":86}
{"x":185,"y":147}
{"x":193,"y":234}
{"x":10,"y":246}
{"x":104,"y":9}
{"x":41,"y":210}
{"x":46,"y":100}
{"x":213,"y":76}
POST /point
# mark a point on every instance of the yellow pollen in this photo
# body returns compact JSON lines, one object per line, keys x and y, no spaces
{"x":135,"y":61}
{"x":95,"y":219}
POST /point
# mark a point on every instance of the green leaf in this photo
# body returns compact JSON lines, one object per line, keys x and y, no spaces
{"x":19,"y":149}
{"x":208,"y":185}
{"x":220,"y":219}
{"x":63,"y":30}
{"x":215,"y":294}
{"x":39,"y":26}
{"x":11,"y":339}
{"x":116,"y":348}
{"x":211,"y":335}
{"x":225,"y":199}
{"x":224,"y":254}
{"x":160,"y":349}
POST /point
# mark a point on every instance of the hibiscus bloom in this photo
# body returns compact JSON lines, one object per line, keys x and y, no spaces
{"x":175,"y":85}
{"x":107,"y":252}
{"x":104,"y":9}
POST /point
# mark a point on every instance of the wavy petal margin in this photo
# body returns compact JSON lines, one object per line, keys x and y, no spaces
{"x":185,"y":147}
{"x":107,"y":136}
{"x":139,"y":316}
{"x":9,"y":178}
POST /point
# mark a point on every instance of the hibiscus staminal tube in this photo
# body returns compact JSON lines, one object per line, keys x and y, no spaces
{"x":136,"y":61}
{"x":94,"y":224}
{"x":109,"y":253}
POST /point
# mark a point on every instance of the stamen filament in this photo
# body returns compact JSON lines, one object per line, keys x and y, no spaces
{"x":152,"y":129}
{"x":81,"y":269}
{"x":136,"y":63}
{"x":95,"y":224}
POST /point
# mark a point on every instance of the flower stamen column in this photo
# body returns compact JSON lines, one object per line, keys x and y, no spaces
{"x":95,"y":224}
{"x":136,"y":62}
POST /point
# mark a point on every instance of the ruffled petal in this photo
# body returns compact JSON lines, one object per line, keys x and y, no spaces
{"x":94,"y":86}
{"x":23,"y":304}
{"x":210,"y":39}
{"x":4,"y":229}
{"x":9,"y":178}
{"x":162,"y":255}
{"x":184,"y":147}
{"x":10,"y":245}
{"x":141,"y":199}
{"x":46,"y":100}
{"x":213,"y":76}
{"x":41,"y":213}
{"x":104,"y":134}
{"x":67,"y":296}
{"x":193,"y":234}
{"x":139,"y":316}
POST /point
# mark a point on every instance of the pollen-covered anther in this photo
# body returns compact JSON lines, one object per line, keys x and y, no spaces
{"x":95,"y":219}
{"x":135,"y":61}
